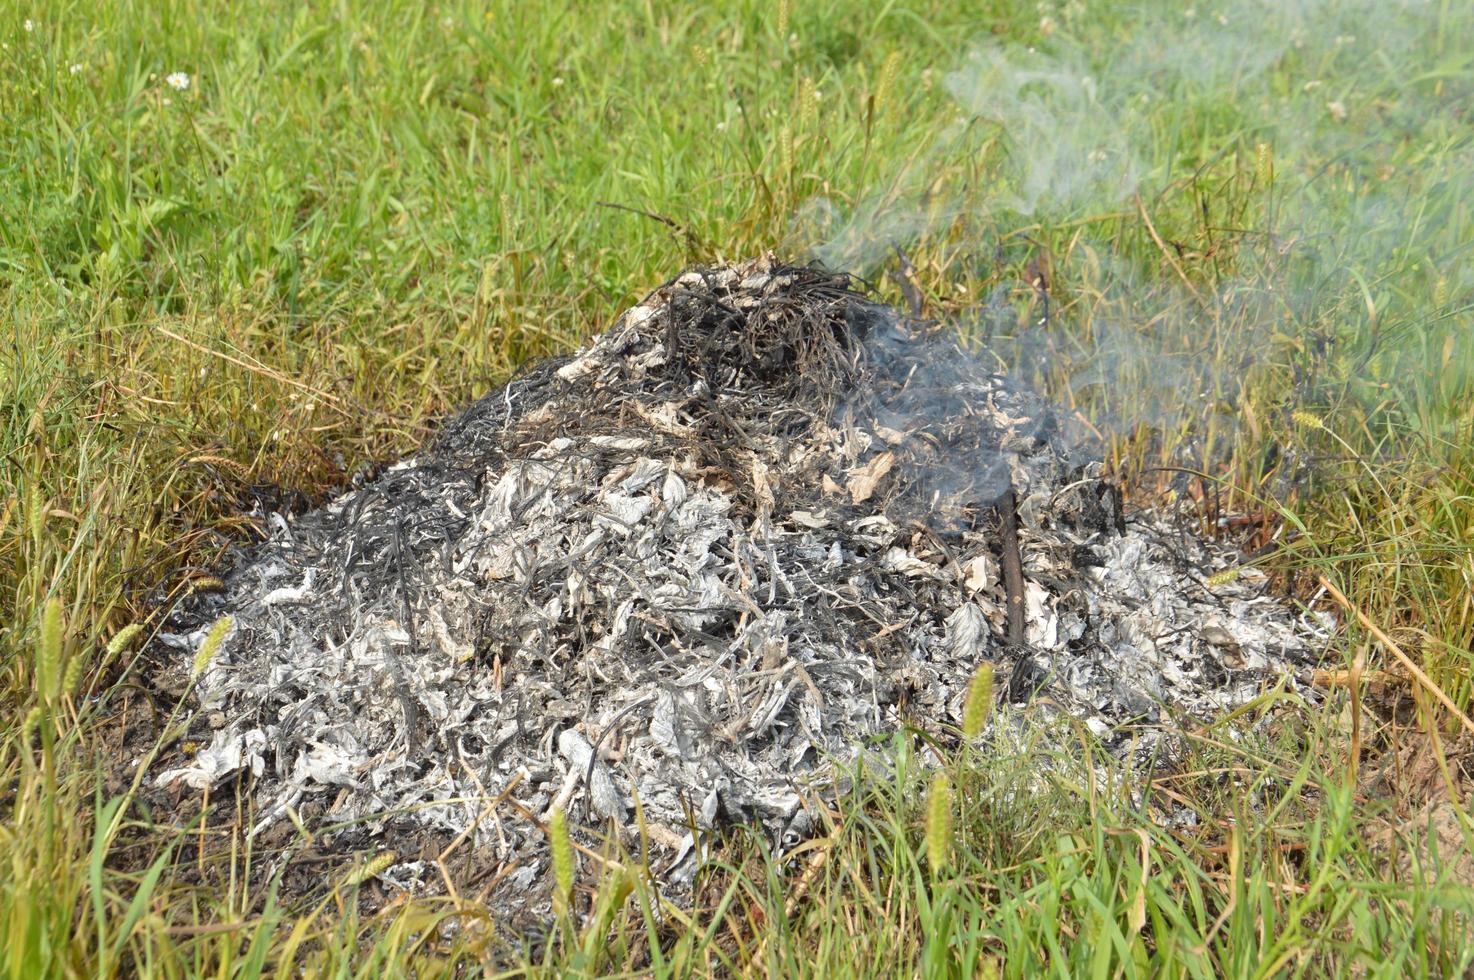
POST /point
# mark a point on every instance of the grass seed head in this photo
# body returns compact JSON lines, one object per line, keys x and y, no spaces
{"x":72,"y":676}
{"x":808,"y":104}
{"x":370,"y":869}
{"x":938,"y":821}
{"x":886,"y":80}
{"x":562,"y":847}
{"x":1264,"y":164}
{"x":37,"y":514}
{"x":211,"y":646}
{"x":48,"y":652}
{"x":206,"y":583}
{"x":123,"y":639}
{"x":1307,"y":420}
{"x":979,"y":701}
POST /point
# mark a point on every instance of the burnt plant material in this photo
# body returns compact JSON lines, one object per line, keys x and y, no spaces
{"x":1013,"y":566}
{"x":758,"y":522}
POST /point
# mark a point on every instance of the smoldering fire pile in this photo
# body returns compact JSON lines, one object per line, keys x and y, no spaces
{"x":701,"y":563}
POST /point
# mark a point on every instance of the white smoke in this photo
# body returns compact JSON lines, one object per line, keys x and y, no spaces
{"x":1331,"y":94}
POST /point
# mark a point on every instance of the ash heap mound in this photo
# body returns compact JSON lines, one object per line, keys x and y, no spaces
{"x":759,"y":521}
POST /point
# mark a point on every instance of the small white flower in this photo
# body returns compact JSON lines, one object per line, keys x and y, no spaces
{"x":178,"y":81}
{"x":1337,"y":110}
{"x":29,"y":25}
{"x":557,"y":82}
{"x":721,"y":127}
{"x":74,"y":69}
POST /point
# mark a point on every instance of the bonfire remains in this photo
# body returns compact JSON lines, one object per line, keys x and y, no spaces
{"x":759,"y":521}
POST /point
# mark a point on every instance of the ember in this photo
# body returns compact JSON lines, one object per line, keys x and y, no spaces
{"x":756,"y":523}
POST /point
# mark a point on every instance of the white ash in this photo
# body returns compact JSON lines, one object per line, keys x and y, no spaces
{"x":700,"y":562}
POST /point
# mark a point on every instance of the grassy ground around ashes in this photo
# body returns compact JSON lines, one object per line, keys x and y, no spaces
{"x":255,"y":246}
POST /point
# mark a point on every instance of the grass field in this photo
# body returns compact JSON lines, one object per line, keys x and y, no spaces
{"x":265,"y":245}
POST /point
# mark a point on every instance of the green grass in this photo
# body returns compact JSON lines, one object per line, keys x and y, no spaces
{"x":1255,"y":222}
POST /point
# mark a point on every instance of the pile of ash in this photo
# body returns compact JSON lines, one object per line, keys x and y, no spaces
{"x":758,"y":522}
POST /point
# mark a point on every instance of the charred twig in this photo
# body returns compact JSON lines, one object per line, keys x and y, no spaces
{"x":396,"y":675}
{"x":1013,"y":565}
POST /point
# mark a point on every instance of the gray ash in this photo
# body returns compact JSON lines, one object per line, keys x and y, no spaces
{"x":711,"y":555}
